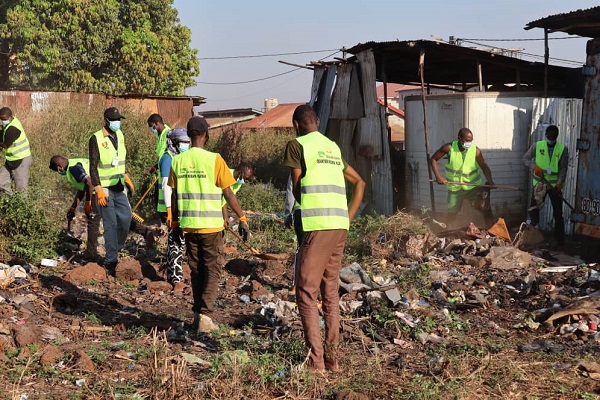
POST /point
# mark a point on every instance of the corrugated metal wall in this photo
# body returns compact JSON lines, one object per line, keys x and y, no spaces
{"x":566,"y":114}
{"x":175,"y":111}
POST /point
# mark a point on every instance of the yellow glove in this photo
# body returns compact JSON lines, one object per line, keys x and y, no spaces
{"x":170,"y":223}
{"x":129,"y":184}
{"x":102,"y":197}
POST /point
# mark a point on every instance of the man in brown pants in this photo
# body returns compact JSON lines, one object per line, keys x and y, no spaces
{"x":318,"y":180}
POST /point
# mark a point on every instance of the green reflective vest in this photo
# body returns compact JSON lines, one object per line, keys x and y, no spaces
{"x":198,"y":198}
{"x":462,"y":170}
{"x":234,"y":188}
{"x":161,"y":206}
{"x":19,"y":149}
{"x":323,"y":187}
{"x":161,"y":142}
{"x":549,"y":166}
{"x":86,"y":166}
{"x":111,"y":167}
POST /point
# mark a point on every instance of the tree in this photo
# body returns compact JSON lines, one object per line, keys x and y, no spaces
{"x":99,"y":46}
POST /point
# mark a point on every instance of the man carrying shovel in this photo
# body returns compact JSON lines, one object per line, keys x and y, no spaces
{"x":550,"y":162}
{"x":462,"y":173}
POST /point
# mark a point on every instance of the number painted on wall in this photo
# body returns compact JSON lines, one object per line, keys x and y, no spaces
{"x":590,"y":206}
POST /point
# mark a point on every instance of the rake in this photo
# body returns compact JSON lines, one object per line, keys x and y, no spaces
{"x":138,"y":218}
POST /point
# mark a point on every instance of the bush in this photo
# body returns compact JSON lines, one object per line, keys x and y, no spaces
{"x":261,"y":197}
{"x":26,"y":226}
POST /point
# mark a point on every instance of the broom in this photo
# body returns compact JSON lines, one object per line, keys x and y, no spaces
{"x":138,"y":218}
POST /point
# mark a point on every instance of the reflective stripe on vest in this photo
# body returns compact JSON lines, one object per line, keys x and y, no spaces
{"x":19,"y":149}
{"x":323,"y":187}
{"x":111,"y":174}
{"x":459,"y":170}
{"x":198,"y":198}
{"x":85,"y":163}
{"x":161,"y":142}
{"x":542,"y":160}
{"x":160,"y":206}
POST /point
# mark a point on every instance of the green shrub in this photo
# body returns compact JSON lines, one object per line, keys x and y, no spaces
{"x":261,"y":197}
{"x":26,"y":225}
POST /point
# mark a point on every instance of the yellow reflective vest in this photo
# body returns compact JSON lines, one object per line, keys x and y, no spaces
{"x":85,"y":163}
{"x":198,"y":197}
{"x":161,"y":142}
{"x":465,"y":170}
{"x":549,"y":166}
{"x":111,"y":167}
{"x":234,"y":188}
{"x":323,"y":187}
{"x":19,"y":149}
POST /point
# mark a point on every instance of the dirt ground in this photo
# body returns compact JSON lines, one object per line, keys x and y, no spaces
{"x":437,"y":326}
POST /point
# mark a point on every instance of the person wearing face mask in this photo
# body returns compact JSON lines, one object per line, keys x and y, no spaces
{"x":242,"y":174}
{"x":550,"y":160}
{"x":75,"y":170}
{"x":18,"y":158}
{"x":178,"y":142}
{"x":107,"y":155}
{"x":464,"y":161}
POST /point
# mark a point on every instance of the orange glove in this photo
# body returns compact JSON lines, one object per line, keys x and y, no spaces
{"x":537,"y":171}
{"x":87,"y":207}
{"x":129,"y":184}
{"x":102,"y":197}
{"x":170,"y":223}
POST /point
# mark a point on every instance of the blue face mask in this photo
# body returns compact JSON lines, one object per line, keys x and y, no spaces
{"x":466,"y":145}
{"x":240,"y":181}
{"x":153,"y":130}
{"x":550,"y":141}
{"x":181,"y":147}
{"x":114,"y":125}
{"x":5,"y":122}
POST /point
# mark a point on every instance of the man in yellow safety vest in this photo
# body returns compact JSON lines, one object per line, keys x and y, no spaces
{"x":18,"y":158}
{"x":318,"y":180}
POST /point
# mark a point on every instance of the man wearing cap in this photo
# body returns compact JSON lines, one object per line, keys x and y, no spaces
{"x":18,"y":158}
{"x":107,"y":155}
{"x":198,"y":180}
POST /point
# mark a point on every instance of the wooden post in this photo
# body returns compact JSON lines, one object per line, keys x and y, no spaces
{"x":385,"y":106}
{"x":424,"y":101}
{"x":546,"y":60}
{"x":479,"y":76}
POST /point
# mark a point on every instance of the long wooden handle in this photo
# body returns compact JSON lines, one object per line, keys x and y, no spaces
{"x":145,"y":194}
{"x":252,"y":249}
{"x":483,"y":186}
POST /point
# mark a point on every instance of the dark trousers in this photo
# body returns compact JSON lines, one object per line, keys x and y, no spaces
{"x":557,"y":211}
{"x":205,"y":257}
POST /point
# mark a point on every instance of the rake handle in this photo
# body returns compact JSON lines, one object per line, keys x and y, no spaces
{"x":145,"y":194}
{"x":252,"y":249}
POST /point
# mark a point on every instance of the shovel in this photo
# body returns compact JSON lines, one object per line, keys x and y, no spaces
{"x":256,"y":253}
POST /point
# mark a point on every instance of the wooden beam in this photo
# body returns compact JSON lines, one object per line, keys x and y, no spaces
{"x":424,"y":101}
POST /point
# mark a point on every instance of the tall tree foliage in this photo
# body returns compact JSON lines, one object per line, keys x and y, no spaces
{"x":106,"y":46}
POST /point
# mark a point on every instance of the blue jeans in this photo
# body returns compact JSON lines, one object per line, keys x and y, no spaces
{"x":116,"y":218}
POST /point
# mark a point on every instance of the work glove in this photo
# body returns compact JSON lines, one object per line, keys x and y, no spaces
{"x":243,"y":228}
{"x":129,"y":185}
{"x":71,"y":214}
{"x":87,"y":207}
{"x":102,"y":197}
{"x":170,"y":223}
{"x":537,"y":171}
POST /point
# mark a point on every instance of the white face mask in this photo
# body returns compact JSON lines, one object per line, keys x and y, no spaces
{"x":5,"y":122}
{"x":181,"y":147}
{"x":240,"y":180}
{"x":114,"y":125}
{"x":466,"y":145}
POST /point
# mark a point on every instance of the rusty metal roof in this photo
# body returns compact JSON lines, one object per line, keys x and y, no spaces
{"x":447,"y":64}
{"x":581,"y":22}
{"x":277,"y":117}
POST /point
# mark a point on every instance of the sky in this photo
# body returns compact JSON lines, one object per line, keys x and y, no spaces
{"x":260,"y":34}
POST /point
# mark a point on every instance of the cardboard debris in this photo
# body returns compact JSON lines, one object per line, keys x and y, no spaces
{"x":500,"y":230}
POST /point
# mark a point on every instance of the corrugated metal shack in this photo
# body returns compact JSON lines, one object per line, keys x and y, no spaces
{"x":344,"y":94}
{"x":174,"y":109}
